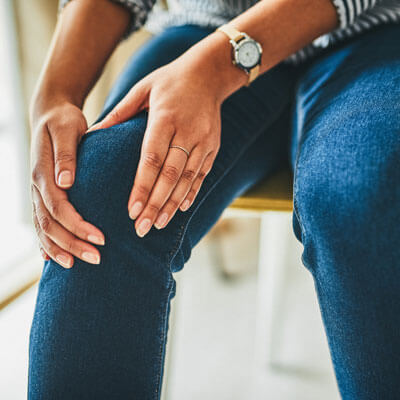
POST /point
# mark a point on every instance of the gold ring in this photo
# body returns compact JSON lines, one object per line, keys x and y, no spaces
{"x":179,"y":147}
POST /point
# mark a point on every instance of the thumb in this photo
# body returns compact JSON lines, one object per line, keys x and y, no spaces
{"x":134,"y":101}
{"x":65,"y":147}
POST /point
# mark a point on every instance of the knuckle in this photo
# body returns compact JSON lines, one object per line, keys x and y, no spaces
{"x":36,"y":174}
{"x":168,"y":118}
{"x":153,"y":208}
{"x":188,"y":174}
{"x":115,"y":114}
{"x":54,"y":208}
{"x":170,"y":172}
{"x":173,"y":203}
{"x":64,"y":157}
{"x":70,"y":246}
{"x":207,"y":127}
{"x":191,"y":195}
{"x":203,"y":147}
{"x":36,"y":223}
{"x":143,"y":190}
{"x":201,"y":175}
{"x":45,"y":224}
{"x":58,"y":123}
{"x":152,"y":159}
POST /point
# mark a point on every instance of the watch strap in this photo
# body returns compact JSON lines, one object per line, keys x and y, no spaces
{"x":231,"y":32}
{"x":253,"y":73}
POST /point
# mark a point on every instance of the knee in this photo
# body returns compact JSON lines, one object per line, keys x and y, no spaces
{"x":347,"y":205}
{"x":106,"y":163}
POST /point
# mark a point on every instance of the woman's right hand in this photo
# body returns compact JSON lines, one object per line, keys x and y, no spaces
{"x":62,"y":232}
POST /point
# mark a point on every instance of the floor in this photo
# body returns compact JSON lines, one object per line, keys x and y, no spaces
{"x":211,"y":354}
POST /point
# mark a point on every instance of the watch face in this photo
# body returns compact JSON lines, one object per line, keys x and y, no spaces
{"x":248,"y":54}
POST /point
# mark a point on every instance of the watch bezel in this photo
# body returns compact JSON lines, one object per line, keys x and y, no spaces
{"x":236,"y":47}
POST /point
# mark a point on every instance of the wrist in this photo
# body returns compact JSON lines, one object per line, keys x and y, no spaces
{"x":47,"y":107}
{"x":212,"y":57}
{"x":44,"y":100}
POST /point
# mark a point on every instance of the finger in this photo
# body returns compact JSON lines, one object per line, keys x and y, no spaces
{"x":50,"y":248}
{"x":55,"y":253}
{"x":192,"y":168}
{"x":46,"y":246}
{"x":133,"y":102}
{"x":61,"y":210}
{"x":56,"y":199}
{"x":60,"y":236}
{"x":45,"y":256}
{"x":194,"y":190}
{"x":65,"y":145}
{"x":153,"y":153}
{"x":166,"y":181}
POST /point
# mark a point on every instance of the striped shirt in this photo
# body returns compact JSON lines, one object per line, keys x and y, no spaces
{"x":354,"y":16}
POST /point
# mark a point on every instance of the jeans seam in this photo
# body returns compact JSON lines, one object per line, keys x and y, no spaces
{"x":163,"y":339}
{"x":295,"y":204}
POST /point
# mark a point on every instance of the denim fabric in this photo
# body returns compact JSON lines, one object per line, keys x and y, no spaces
{"x":99,"y":332}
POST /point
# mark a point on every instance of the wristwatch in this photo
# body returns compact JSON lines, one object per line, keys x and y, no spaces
{"x":246,"y":52}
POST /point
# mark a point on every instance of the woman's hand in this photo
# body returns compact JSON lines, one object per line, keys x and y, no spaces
{"x":183,"y":109}
{"x":56,"y":132}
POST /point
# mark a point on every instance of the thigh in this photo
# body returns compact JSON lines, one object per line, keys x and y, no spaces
{"x":346,"y":159}
{"x":345,"y":138}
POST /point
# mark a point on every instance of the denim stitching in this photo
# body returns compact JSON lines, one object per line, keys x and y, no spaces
{"x":295,"y":190}
{"x":163,"y":340}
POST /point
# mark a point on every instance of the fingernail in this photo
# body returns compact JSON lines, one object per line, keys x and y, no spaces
{"x":64,"y":261}
{"x":90,"y":258}
{"x":96,"y":239}
{"x":65,"y":178}
{"x":44,"y":255}
{"x":161,"y":220}
{"x":185,"y":205}
{"x":135,"y":209}
{"x":143,"y":227}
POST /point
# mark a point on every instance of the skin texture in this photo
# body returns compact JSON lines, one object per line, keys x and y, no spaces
{"x":166,"y":179}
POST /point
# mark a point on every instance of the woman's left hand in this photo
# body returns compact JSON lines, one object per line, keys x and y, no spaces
{"x":183,"y":105}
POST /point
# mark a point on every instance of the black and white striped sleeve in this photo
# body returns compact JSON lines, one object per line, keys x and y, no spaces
{"x":349,"y":10}
{"x":139,"y":10}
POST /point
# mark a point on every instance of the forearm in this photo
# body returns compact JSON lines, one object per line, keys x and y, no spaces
{"x":87,"y":32}
{"x":281,"y":26}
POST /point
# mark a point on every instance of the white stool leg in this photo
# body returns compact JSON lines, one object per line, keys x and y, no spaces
{"x":277,"y":241}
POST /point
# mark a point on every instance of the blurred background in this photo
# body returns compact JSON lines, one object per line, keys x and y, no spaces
{"x":239,"y":330}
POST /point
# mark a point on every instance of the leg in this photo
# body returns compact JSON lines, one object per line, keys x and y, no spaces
{"x":100,"y":332}
{"x":346,"y":197}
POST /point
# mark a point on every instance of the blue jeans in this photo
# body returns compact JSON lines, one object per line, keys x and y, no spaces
{"x":99,"y":332}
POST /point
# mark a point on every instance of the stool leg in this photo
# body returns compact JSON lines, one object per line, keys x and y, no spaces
{"x":276,"y":244}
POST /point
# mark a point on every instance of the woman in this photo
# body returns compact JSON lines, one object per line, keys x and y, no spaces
{"x":183,"y":132}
